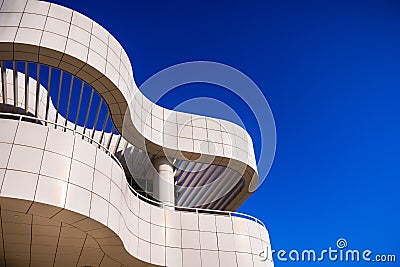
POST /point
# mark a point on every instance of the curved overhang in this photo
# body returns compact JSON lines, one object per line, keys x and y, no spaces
{"x":56,"y":36}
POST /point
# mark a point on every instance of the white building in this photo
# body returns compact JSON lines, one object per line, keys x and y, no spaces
{"x":94,"y":174}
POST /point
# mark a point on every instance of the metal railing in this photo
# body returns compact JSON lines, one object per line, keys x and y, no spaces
{"x":21,"y":117}
{"x":27,"y":118}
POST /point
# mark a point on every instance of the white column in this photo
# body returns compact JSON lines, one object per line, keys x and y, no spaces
{"x":164,"y":182}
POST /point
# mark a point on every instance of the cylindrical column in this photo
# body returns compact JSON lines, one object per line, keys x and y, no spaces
{"x":164,"y":182}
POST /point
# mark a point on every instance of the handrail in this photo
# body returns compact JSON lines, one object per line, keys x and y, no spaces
{"x":138,"y":195}
{"x":75,"y":132}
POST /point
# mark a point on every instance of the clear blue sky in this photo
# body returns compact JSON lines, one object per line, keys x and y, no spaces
{"x":330,"y":71}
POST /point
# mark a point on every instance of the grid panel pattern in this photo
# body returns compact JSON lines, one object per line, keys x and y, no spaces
{"x":101,"y":204}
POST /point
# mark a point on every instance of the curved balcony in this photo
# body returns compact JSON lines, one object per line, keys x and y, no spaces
{"x":78,"y":143}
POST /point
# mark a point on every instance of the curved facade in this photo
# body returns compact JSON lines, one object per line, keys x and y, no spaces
{"x":71,"y":190}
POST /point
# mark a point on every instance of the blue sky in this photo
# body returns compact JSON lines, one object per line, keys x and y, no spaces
{"x":330,"y":72}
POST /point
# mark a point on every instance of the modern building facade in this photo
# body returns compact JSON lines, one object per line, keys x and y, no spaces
{"x":92,"y":173}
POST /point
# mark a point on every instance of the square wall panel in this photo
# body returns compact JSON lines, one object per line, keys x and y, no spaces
{"x":157,"y":235}
{"x":244,"y":259}
{"x":103,"y":163}
{"x":190,"y":239}
{"x":101,"y":185}
{"x":144,"y":250}
{"x":227,"y":259}
{"x":189,"y":221}
{"x":209,"y":258}
{"x":30,"y":134}
{"x":174,"y":257}
{"x":99,"y":209}
{"x":224,"y":224}
{"x":84,"y":152}
{"x":78,"y":199}
{"x":173,"y":238}
{"x":242,"y":243}
{"x":191,"y":257}
{"x":226,"y":242}
{"x":207,"y":223}
{"x":60,"y":142}
{"x":19,"y":185}
{"x":208,"y":240}
{"x":173,"y":219}
{"x":9,"y":130}
{"x":55,"y":165}
{"x":157,"y":254}
{"x":51,"y":191}
{"x":240,"y":225}
{"x":25,"y":158}
{"x":81,"y":174}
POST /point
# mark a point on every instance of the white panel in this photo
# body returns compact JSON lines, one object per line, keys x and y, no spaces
{"x":227,"y":259}
{"x":226,"y":242}
{"x":144,"y":250}
{"x":78,"y":199}
{"x":208,"y":240}
{"x":81,"y":174}
{"x":77,"y":49}
{"x":101,"y":185}
{"x":157,"y":235}
{"x":33,"y":21}
{"x":253,"y":229}
{"x":173,"y":219}
{"x":209,"y":258}
{"x":191,"y":258}
{"x":240,"y":225}
{"x":11,"y":126}
{"x":55,"y":166}
{"x":103,"y":163}
{"x":95,"y":59}
{"x":60,"y":142}
{"x":113,"y":218}
{"x":81,"y":21}
{"x":84,"y":152}
{"x":10,"y":19}
{"x":144,"y":212}
{"x":25,"y":159}
{"x":190,"y":239}
{"x":53,"y":41}
{"x":173,"y":238}
{"x":144,"y":230}
{"x":115,"y":196}
{"x":224,"y":224}
{"x":36,"y":137}
{"x":78,"y":34}
{"x":37,"y":7}
{"x":242,"y":243}
{"x":19,"y":185}
{"x":174,"y":257}
{"x":51,"y":191}
{"x":99,"y":209}
{"x":100,"y":32}
{"x":157,"y":216}
{"x":60,"y":12}
{"x":244,"y":260}
{"x":256,"y":245}
{"x":13,"y":6}
{"x":189,"y":221}
{"x":207,"y":223}
{"x":157,"y":254}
